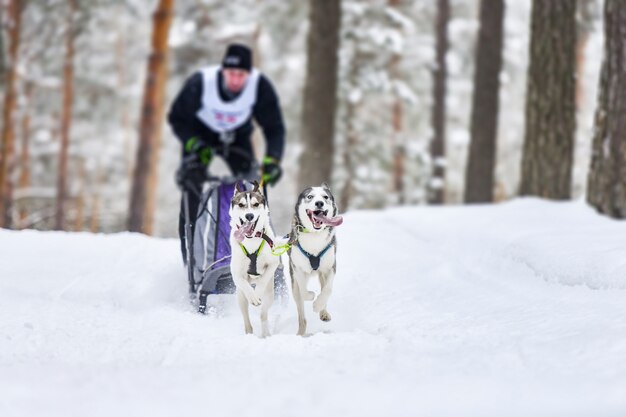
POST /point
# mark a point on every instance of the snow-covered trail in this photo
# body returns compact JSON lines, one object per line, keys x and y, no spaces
{"x":517,"y":309}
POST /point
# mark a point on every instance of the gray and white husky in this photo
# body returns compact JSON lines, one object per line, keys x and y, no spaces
{"x":313,"y":250}
{"x":252,"y":264}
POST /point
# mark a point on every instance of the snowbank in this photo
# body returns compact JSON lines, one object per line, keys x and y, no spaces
{"x":508,"y":310}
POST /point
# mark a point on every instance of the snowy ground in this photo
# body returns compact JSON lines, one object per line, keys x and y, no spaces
{"x":517,"y":309}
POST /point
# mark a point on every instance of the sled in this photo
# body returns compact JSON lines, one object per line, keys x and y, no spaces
{"x":208,"y":250}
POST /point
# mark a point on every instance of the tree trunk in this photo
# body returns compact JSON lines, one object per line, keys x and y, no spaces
{"x":320,"y":91}
{"x":143,"y":193}
{"x":438,"y":144}
{"x":66,"y":117}
{"x":7,"y":157}
{"x":479,"y":175}
{"x":550,"y":101}
{"x":94,"y":225}
{"x":397,"y":144}
{"x":24,"y":180}
{"x":2,"y":62}
{"x":79,"y":220}
{"x":606,"y":189}
{"x":399,"y":151}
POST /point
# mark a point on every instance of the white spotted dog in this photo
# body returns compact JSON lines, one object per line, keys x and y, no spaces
{"x":313,"y":250}
{"x":252,"y":264}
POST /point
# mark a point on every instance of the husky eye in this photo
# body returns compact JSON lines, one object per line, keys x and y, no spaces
{"x":309,"y":197}
{"x":255,"y":205}
{"x":241,"y":205}
{"x":325,"y":197}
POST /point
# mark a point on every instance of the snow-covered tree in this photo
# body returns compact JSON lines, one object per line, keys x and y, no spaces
{"x":372,"y":88}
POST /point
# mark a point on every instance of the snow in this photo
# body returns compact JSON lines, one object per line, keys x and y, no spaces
{"x":514,"y":309}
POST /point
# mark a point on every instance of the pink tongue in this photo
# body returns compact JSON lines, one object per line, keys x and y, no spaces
{"x":331,"y":221}
{"x":241,"y":233}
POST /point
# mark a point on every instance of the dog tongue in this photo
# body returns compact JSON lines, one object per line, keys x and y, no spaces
{"x":241,"y":233}
{"x":331,"y":221}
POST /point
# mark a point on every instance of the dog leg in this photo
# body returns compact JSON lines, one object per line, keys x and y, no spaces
{"x":245,"y":287}
{"x":268,"y":300}
{"x":304,"y":284}
{"x":266,"y":285}
{"x":243,"y":306}
{"x":326,"y":284}
{"x":295,"y":281}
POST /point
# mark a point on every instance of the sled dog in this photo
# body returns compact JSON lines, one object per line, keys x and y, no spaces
{"x":313,"y":250}
{"x":252,"y":264}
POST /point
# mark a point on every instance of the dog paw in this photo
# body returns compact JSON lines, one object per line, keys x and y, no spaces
{"x":308,"y":296}
{"x":254,"y":299}
{"x":324,"y":315}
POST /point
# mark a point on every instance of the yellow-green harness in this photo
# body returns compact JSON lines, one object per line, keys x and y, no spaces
{"x":253,"y":257}
{"x":281,"y":249}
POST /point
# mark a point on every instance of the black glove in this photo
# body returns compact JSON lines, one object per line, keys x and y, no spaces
{"x":191,"y":173}
{"x":270,"y":171}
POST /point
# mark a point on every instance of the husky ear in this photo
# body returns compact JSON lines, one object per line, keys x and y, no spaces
{"x":256,"y":186}
{"x":239,"y":187}
{"x":325,"y":186}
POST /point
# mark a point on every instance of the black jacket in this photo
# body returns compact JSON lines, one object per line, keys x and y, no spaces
{"x":266,"y":111}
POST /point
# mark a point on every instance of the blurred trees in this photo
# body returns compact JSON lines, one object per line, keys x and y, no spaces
{"x":376,"y":165}
{"x":61,"y":169}
{"x":387,"y":103}
{"x":607,"y":176}
{"x":548,"y":153}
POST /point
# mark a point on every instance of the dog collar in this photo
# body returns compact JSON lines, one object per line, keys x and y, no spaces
{"x":265,"y":238}
{"x":314,"y":260}
{"x":302,"y":229}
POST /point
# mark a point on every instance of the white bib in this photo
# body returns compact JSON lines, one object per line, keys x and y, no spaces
{"x":223,"y":116}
